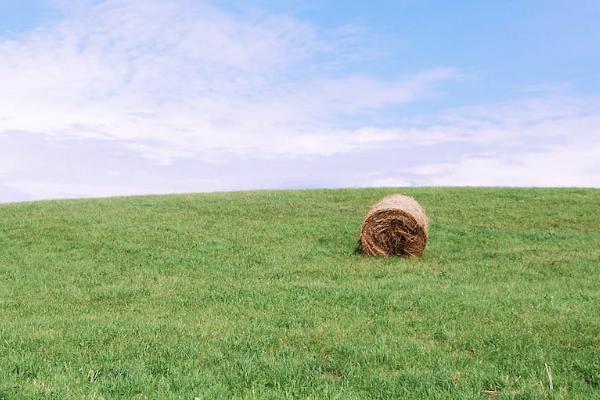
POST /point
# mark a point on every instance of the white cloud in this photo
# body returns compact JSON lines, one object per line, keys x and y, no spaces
{"x":577,"y":166}
{"x":189,"y":80}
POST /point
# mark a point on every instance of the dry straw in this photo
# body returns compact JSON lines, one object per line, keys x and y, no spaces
{"x":396,"y":226}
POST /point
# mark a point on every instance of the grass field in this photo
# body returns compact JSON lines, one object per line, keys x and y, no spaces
{"x":260,"y":295}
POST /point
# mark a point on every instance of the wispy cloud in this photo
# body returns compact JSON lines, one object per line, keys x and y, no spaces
{"x":536,"y":141}
{"x":189,"y":80}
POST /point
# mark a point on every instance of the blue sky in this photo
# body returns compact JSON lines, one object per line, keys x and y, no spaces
{"x":116,"y":97}
{"x":516,"y":43}
{"x":21,"y":16}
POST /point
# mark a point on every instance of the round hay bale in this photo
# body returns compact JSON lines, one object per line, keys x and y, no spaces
{"x":396,"y":226}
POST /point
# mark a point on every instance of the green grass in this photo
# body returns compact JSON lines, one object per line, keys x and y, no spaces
{"x":260,"y":295}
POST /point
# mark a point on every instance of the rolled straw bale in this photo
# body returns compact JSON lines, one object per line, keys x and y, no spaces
{"x":396,"y":226}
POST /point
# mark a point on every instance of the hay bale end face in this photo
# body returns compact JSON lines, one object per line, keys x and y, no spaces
{"x":396,"y":226}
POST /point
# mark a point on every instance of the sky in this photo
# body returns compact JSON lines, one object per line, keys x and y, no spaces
{"x":123,"y":97}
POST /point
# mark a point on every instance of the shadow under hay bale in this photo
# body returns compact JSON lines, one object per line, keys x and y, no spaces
{"x":395,"y":226}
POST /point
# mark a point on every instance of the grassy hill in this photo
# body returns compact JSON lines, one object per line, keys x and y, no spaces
{"x":260,"y":295}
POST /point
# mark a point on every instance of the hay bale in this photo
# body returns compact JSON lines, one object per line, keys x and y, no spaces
{"x":396,"y":226}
